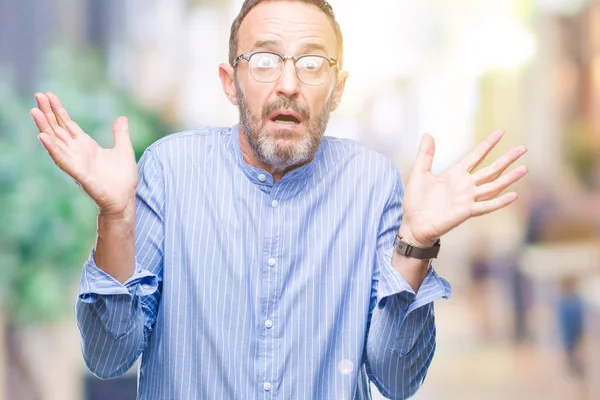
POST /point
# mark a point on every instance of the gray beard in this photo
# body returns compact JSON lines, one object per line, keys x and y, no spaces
{"x":265,"y":145}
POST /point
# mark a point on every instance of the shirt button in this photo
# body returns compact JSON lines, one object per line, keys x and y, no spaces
{"x":272,"y":262}
{"x":262,"y":177}
{"x":267,"y":386}
{"x":275,"y":203}
{"x":269,"y":324}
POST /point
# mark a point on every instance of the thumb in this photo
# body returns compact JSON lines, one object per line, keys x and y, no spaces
{"x":425,"y":155}
{"x":121,"y":133}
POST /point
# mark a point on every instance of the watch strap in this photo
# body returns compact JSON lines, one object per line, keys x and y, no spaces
{"x":411,"y":251}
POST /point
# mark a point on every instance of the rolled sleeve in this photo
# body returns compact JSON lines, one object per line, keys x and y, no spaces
{"x":96,"y":283}
{"x":114,"y":303}
{"x":392,"y":283}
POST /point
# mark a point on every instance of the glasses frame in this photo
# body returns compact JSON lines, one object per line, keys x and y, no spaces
{"x":333,"y":62}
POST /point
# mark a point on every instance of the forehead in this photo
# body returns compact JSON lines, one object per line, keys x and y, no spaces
{"x":287,"y":26}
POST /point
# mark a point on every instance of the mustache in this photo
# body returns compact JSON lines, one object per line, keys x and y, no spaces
{"x":288,"y":104}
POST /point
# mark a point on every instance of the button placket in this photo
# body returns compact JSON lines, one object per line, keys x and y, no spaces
{"x":269,"y":272}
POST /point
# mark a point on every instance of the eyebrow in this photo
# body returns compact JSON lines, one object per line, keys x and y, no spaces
{"x":266,"y":44}
{"x":312,"y":47}
{"x":274,"y":44}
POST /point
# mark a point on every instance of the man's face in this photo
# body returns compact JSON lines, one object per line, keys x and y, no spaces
{"x":283,"y":121}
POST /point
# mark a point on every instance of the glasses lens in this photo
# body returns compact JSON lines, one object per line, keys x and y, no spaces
{"x":265,"y":67}
{"x":313,"y":70}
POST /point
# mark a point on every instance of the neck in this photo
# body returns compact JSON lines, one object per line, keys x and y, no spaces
{"x":252,"y":159}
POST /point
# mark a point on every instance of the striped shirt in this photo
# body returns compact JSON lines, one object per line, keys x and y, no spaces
{"x":249,"y":289}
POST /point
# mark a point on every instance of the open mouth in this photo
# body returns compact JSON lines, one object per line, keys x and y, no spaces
{"x":286,"y":118}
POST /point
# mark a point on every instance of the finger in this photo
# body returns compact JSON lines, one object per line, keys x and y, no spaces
{"x":63,"y":136}
{"x":121,"y":133}
{"x":489,"y":206}
{"x":55,"y":148}
{"x":473,"y":159}
{"x":494,"y":188}
{"x":425,"y":155}
{"x":62,"y":116}
{"x":44,"y":106}
{"x":492,"y":172}
{"x":40,"y":120}
{"x":74,"y":130}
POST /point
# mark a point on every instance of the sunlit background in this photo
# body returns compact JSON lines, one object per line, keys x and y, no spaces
{"x":457,"y":69}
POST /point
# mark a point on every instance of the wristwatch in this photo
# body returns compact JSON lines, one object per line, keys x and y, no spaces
{"x":411,"y":251}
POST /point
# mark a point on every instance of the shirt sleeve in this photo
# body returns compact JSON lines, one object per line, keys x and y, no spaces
{"x":114,"y":319}
{"x":400,"y":340}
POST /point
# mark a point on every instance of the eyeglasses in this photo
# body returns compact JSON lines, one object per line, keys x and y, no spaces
{"x":267,"y":66}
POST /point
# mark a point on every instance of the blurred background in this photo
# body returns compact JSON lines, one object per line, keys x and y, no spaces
{"x":524,"y":319}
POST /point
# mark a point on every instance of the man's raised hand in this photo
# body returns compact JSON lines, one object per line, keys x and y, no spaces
{"x":435,"y":204}
{"x":107,"y":176}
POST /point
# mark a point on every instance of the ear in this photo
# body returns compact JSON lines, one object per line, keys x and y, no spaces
{"x":227,"y":75}
{"x":338,"y":91}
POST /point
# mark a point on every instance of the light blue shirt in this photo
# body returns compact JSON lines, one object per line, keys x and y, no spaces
{"x":246,"y":289}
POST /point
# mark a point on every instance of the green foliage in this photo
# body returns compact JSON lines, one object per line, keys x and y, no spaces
{"x":47,"y":224}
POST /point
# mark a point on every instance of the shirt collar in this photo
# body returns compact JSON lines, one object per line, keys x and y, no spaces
{"x":263,"y":178}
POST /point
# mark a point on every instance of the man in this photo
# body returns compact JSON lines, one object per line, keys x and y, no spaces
{"x":258,"y":261}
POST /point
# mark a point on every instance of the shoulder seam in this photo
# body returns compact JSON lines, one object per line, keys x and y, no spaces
{"x":200,"y":131}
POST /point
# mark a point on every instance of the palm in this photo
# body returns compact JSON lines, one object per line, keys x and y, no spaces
{"x":435,"y":204}
{"x":108,"y":176}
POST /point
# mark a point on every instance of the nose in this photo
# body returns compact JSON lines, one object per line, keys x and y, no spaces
{"x":288,"y":84}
